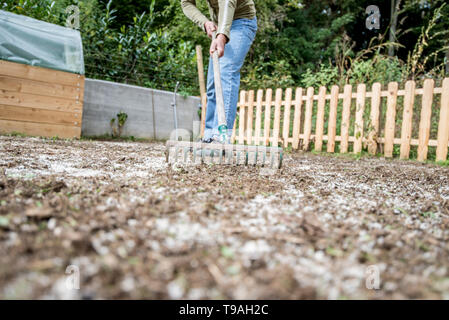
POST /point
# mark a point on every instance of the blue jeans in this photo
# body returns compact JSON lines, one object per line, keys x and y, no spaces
{"x":243,"y":32}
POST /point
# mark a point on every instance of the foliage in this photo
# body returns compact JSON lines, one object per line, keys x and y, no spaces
{"x":326,"y":76}
{"x":356,"y":68}
{"x":138,"y":53}
{"x":417,"y":60}
{"x":117,"y":127}
{"x":306,"y":42}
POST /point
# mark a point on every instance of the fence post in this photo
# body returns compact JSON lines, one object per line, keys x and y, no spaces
{"x":308,"y":118}
{"x":374,"y":118}
{"x":277,"y":117}
{"x":234,"y":131}
{"x":242,"y":117}
{"x":346,"y":114}
{"x":267,"y":122}
{"x":332,"y":127}
{"x":297,"y":118}
{"x":443,"y":126}
{"x":360,"y":110}
{"x":258,"y":116}
{"x":407,"y":118}
{"x":250,"y":117}
{"x":390,"y":122}
{"x":287,"y":108}
{"x":424,"y":124}
{"x":320,"y":119}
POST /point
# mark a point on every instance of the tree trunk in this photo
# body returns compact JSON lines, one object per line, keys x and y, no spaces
{"x":393,"y":24}
{"x":447,"y":62}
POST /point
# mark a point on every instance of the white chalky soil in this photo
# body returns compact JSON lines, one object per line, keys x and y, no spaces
{"x":139,"y":228}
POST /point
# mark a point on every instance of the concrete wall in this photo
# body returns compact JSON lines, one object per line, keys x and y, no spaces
{"x":149,"y":111}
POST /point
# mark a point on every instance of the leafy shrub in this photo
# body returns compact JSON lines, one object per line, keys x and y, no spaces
{"x":138,"y":53}
{"x":327,"y":75}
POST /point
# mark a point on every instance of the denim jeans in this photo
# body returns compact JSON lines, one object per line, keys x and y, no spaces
{"x":243,"y":32}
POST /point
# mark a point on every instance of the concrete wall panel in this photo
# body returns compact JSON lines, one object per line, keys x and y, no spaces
{"x":150,"y":114}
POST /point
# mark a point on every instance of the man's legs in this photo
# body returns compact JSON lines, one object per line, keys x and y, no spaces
{"x":243,"y":32}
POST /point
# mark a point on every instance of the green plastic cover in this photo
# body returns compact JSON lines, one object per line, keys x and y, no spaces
{"x":37,"y":43}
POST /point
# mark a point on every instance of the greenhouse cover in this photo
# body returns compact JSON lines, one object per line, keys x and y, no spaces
{"x":37,"y":43}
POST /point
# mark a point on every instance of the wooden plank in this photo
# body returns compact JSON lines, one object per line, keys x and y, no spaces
{"x":360,"y":111}
{"x":242,"y":117}
{"x":287,"y":108}
{"x":23,"y":71}
{"x":345,"y":118}
{"x":424,"y":124}
{"x":258,"y":125}
{"x":39,"y":115}
{"x":277,"y":117}
{"x":320,"y":119}
{"x":420,"y":91}
{"x":80,"y":89}
{"x":332,"y":127}
{"x":390,"y":122}
{"x":267,"y":121}
{"x":40,"y":129}
{"x":413,"y":142}
{"x":443,"y":126}
{"x":308,"y":119}
{"x":234,"y":131}
{"x":407,"y":119}
{"x":37,"y":101}
{"x":250,"y":117}
{"x":202,"y":83}
{"x":297,"y":118}
{"x":39,"y":88}
{"x":373,"y":135}
{"x":80,"y":102}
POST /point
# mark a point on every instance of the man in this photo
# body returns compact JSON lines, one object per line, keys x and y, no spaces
{"x":235,"y":24}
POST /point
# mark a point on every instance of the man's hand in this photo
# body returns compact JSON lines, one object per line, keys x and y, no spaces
{"x":219,"y":45}
{"x":210,"y":28}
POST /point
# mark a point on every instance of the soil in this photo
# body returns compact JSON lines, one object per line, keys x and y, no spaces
{"x":322,"y":227}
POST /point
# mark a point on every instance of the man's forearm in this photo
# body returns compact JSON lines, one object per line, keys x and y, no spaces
{"x":193,"y":13}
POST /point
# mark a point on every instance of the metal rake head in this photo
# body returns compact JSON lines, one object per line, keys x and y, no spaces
{"x":226,"y":154}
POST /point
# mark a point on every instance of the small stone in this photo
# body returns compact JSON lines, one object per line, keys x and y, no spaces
{"x":4,"y":222}
{"x":51,"y":224}
{"x":128,"y":284}
{"x":175,"y":291}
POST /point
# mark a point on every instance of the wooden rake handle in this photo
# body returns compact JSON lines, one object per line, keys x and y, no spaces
{"x":218,"y":88}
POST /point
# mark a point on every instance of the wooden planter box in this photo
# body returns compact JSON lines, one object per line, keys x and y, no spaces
{"x":40,"y":102}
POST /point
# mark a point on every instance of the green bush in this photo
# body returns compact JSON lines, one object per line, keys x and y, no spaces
{"x":139,"y":53}
{"x":299,"y":43}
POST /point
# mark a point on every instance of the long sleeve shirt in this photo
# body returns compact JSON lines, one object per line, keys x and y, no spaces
{"x":222,"y":13}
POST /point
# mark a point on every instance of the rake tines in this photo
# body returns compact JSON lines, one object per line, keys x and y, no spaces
{"x":223,"y":154}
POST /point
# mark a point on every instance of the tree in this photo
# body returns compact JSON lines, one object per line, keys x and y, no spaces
{"x":395,"y":5}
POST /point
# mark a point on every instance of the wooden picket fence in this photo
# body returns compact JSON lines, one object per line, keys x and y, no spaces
{"x":373,"y":119}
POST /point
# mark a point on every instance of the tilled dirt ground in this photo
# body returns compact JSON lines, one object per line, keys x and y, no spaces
{"x":322,"y":227}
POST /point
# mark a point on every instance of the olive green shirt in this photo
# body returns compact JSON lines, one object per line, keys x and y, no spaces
{"x":222,"y":13}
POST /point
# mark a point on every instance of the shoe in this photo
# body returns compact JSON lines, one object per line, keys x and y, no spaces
{"x":209,"y":152}
{"x":206,"y":140}
{"x":216,"y":140}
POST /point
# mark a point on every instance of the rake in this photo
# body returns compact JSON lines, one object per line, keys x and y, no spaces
{"x":224,"y":152}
